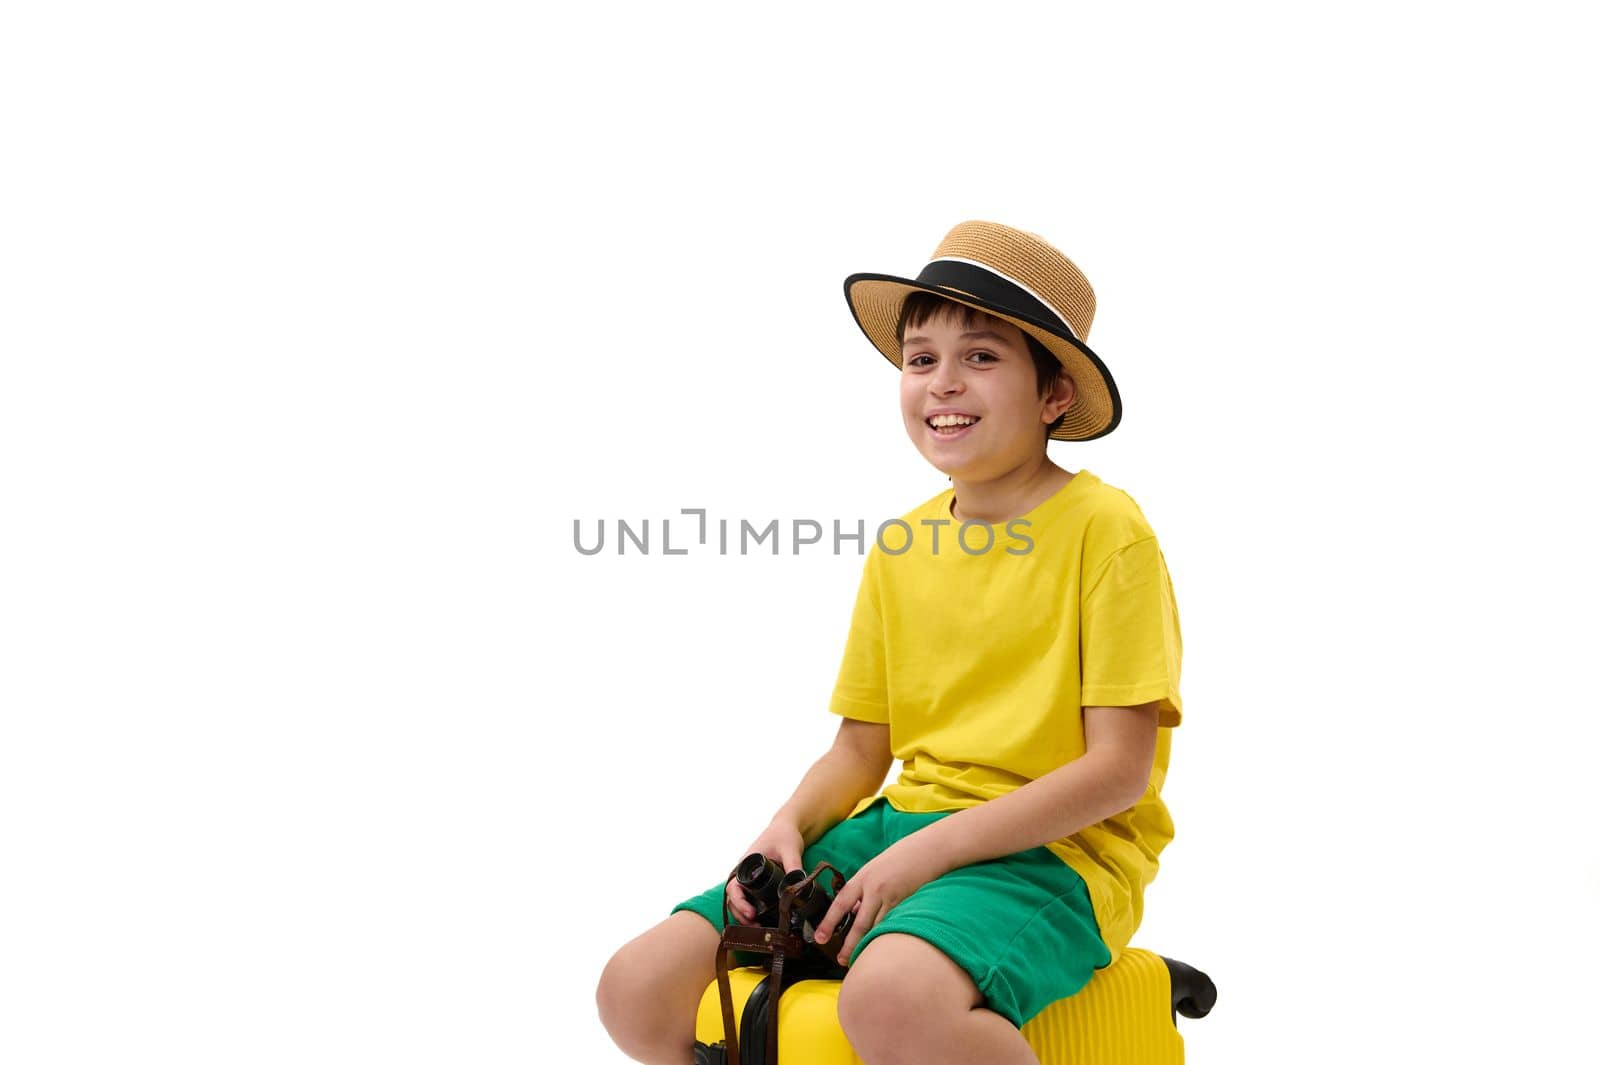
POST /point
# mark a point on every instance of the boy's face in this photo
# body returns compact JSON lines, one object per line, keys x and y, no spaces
{"x":983,"y":370}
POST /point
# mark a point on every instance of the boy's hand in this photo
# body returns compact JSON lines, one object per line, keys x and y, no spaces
{"x":881,"y":885}
{"x":782,"y":843}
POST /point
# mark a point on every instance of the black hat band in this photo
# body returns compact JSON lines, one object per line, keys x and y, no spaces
{"x":991,"y":287}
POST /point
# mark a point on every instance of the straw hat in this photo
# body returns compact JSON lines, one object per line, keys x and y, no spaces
{"x":1014,"y":276}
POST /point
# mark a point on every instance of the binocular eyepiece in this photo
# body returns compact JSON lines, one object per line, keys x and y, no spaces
{"x":762,"y":879}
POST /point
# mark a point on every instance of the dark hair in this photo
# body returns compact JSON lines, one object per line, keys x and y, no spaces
{"x":920,"y":307}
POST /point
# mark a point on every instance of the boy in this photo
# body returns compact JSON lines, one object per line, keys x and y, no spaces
{"x":1029,"y":687}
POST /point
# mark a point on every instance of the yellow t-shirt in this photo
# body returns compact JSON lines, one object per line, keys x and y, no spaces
{"x":980,"y":658}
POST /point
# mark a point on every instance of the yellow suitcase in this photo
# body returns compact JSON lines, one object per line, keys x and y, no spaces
{"x":1127,"y":1015}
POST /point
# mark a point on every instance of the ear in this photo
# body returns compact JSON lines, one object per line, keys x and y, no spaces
{"x":1060,"y":398}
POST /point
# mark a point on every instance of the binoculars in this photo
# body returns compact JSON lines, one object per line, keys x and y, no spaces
{"x":788,"y":907}
{"x":764,"y":879}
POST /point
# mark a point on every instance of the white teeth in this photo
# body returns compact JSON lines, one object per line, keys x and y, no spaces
{"x":945,"y":421}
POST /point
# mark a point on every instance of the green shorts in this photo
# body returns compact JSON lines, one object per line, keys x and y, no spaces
{"x":1021,"y":926}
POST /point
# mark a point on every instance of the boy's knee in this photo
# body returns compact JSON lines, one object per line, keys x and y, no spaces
{"x":628,"y":1005}
{"x":897,"y":985}
{"x":650,"y":989}
{"x":615,"y":992}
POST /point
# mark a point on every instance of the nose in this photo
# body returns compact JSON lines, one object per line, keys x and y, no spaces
{"x":945,"y":379}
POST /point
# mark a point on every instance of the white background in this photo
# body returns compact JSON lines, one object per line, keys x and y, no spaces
{"x":322,"y":323}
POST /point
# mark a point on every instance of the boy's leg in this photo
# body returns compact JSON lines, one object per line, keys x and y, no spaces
{"x":904,"y":1000}
{"x":650,"y":990}
{"x":1013,"y":935}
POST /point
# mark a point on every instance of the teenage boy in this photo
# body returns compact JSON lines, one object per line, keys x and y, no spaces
{"x":1019,"y":653}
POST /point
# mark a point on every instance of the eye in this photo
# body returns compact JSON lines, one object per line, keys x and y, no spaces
{"x":913,"y":360}
{"x":986,"y":354}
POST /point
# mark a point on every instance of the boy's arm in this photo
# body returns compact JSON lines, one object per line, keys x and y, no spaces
{"x":852,"y":769}
{"x":1107,"y":779}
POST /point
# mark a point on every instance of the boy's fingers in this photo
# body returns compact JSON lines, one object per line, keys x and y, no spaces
{"x":857,"y":929}
{"x":842,"y":904}
{"x":738,"y":903}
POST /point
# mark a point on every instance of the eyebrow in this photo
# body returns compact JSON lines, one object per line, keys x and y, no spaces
{"x":975,"y":334}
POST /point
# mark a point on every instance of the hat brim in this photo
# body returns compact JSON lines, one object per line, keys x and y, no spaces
{"x":875,"y":301}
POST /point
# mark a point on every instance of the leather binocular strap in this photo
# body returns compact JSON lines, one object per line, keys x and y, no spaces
{"x":761,"y":939}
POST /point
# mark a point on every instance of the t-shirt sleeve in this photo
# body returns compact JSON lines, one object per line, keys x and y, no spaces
{"x":1131,"y":644}
{"x":862,"y":689}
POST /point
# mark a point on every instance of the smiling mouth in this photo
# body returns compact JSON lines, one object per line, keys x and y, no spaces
{"x":951,"y":425}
